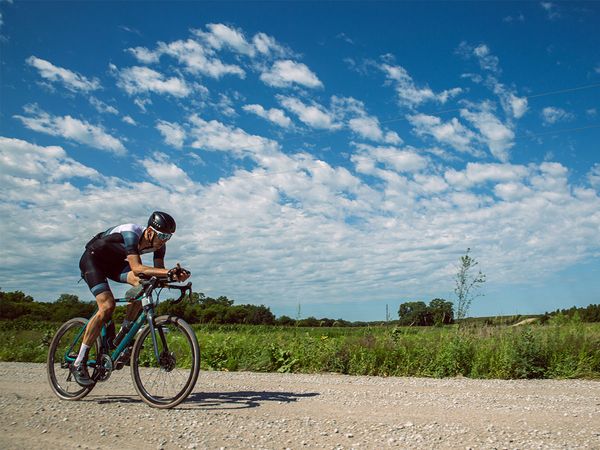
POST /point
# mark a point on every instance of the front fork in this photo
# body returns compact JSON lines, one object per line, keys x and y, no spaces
{"x":150,"y":318}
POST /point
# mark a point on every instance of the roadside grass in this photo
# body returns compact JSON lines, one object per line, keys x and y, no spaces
{"x":560,"y":350}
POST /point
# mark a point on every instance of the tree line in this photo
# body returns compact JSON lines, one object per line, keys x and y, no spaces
{"x":222,"y":310}
{"x":198,"y":309}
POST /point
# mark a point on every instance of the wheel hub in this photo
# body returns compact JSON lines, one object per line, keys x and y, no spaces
{"x":167,"y":361}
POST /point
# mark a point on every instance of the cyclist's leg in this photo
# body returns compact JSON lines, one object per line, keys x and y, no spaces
{"x":96,"y":280}
{"x":106,"y":307}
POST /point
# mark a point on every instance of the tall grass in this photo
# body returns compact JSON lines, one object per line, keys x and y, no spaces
{"x":554,"y":351}
{"x":560,"y":350}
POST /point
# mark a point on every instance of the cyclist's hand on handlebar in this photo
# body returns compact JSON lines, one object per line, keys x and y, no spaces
{"x":178,"y":273}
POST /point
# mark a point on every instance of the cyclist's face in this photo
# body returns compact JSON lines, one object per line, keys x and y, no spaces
{"x":155,"y":239}
{"x":152,"y":240}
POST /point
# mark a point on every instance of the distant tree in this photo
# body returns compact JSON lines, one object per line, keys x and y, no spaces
{"x":213,"y":314}
{"x":325,"y":322}
{"x":67,"y":299}
{"x":308,"y":322}
{"x":467,"y":284}
{"x":258,"y":315}
{"x":285,"y":321}
{"x":15,"y":296}
{"x":68,"y":306}
{"x":441,"y":311}
{"x":414,"y":313}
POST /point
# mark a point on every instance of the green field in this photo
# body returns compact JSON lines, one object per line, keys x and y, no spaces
{"x":565,"y":350}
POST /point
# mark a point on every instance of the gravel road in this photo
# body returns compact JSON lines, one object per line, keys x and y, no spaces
{"x":276,"y":411}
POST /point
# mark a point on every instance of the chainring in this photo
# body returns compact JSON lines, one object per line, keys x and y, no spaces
{"x":103,"y":371}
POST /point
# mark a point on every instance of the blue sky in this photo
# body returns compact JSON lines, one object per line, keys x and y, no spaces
{"x":338,"y":155}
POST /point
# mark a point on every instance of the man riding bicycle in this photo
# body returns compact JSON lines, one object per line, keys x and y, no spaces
{"x":116,"y":254}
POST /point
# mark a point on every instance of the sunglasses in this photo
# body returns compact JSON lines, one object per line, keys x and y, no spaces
{"x":162,"y":236}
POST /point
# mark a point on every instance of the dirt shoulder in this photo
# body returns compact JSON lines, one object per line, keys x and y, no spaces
{"x":255,"y":410}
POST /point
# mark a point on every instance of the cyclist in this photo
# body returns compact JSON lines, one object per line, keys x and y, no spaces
{"x":115,"y":254}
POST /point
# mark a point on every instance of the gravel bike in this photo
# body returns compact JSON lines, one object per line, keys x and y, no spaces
{"x":163,"y":352}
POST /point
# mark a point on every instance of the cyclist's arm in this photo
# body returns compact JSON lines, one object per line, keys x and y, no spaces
{"x":159,"y":257}
{"x":137,"y":267}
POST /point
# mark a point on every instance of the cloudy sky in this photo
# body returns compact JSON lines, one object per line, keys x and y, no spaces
{"x":339,"y":156}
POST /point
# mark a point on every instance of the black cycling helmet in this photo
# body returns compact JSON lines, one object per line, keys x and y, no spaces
{"x":162,"y":222}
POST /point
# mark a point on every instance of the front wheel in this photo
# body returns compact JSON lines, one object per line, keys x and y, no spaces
{"x":61,"y":355}
{"x":166,"y":382}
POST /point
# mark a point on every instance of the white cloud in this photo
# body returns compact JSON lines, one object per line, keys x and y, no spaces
{"x":144,"y":55}
{"x":102,"y":107}
{"x":22,"y":160}
{"x":71,"y":80}
{"x":551,"y":10}
{"x":399,"y":160}
{"x":268,"y":46}
{"x":225,"y":106}
{"x":552,"y":115}
{"x":360,"y":122}
{"x":220,"y":36}
{"x":512,"y":191}
{"x":408,"y":93}
{"x":200,"y":60}
{"x":216,"y":136}
{"x":285,"y":73}
{"x":142,"y":102}
{"x":72,"y":129}
{"x":172,"y":133}
{"x":497,"y":136}
{"x":129,"y":120}
{"x":594,"y":176}
{"x":482,"y":53}
{"x":512,"y":104}
{"x":313,"y":115}
{"x":167,"y":174}
{"x":277,"y":116}
{"x":369,"y":128}
{"x":479,"y":173}
{"x":518,"y":105}
{"x":142,"y":80}
{"x":487,"y":61}
{"x":451,"y":133}
{"x":200,"y":55}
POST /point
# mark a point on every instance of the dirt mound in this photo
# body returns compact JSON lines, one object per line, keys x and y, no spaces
{"x":526,"y":322}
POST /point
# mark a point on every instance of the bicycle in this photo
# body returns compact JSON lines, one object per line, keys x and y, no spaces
{"x":165,"y":355}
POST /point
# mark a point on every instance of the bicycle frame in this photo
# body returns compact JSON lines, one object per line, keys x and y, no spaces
{"x":145,"y":316}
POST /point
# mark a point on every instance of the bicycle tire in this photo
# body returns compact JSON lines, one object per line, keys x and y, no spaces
{"x":183,"y":363}
{"x":58,"y":369}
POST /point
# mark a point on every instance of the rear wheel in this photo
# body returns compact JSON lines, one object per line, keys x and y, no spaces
{"x":61,"y":355}
{"x":166,"y":382}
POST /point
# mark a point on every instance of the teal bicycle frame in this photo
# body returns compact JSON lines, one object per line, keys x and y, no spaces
{"x":146,"y":316}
